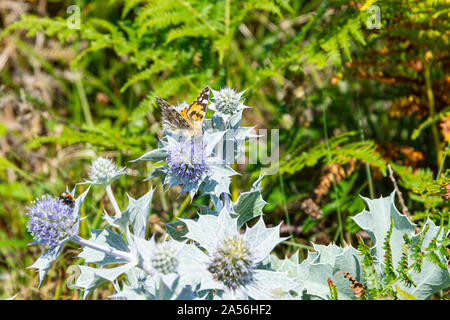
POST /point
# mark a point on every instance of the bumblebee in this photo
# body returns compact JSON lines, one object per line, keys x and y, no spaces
{"x":68,"y":199}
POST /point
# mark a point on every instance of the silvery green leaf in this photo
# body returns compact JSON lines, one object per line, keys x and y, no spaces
{"x":212,"y":139}
{"x":299,"y":273}
{"x":250,"y":204}
{"x":108,"y":239}
{"x":377,"y":221}
{"x":174,"y":232}
{"x":190,"y":187}
{"x":432,"y":278}
{"x":217,"y":187}
{"x":136,"y":277}
{"x":215,"y":123}
{"x":153,"y":155}
{"x":135,"y":215}
{"x":343,"y":287}
{"x":312,"y":274}
{"x":120,"y":222}
{"x":262,"y":239}
{"x":155,"y":288}
{"x":139,"y":211}
{"x":244,"y":133}
{"x":194,"y":264}
{"x":316,"y":281}
{"x":293,"y":269}
{"x":241,"y":135}
{"x":268,"y":284}
{"x":220,"y":171}
{"x":189,"y":293}
{"x":76,"y":210}
{"x":223,"y":226}
{"x":265,"y":285}
{"x":131,"y":293}
{"x":291,"y":265}
{"x":44,"y":262}
{"x":144,"y":251}
{"x":327,"y":254}
{"x":217,"y":201}
{"x":349,"y":260}
{"x":90,"y":278}
{"x":160,"y":171}
{"x":162,"y":290}
{"x":172,"y":180}
{"x":235,"y":120}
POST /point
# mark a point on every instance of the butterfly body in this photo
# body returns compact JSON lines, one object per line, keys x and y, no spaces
{"x":190,"y":118}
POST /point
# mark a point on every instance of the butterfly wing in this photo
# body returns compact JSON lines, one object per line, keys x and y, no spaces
{"x":196,"y":111}
{"x":171,"y":117}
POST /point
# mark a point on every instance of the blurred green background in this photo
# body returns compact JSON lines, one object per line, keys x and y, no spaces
{"x":349,"y":100}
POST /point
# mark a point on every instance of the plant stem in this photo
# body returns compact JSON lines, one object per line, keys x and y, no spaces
{"x":110,"y":251}
{"x":227,"y":31}
{"x":434,"y":128}
{"x":183,"y":206}
{"x":361,"y":131}
{"x":399,"y":193}
{"x":111,"y":197}
{"x":300,"y":245}
{"x":340,"y":232}
{"x":227,"y":16}
{"x":443,"y":161}
{"x":83,"y":98}
{"x":286,"y":212}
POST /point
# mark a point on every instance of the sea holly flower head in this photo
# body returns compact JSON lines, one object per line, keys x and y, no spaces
{"x":187,"y":160}
{"x":191,"y":162}
{"x":50,"y":221}
{"x":164,"y":260}
{"x":104,"y":171}
{"x":231,"y":262}
{"x":161,"y":259}
{"x":227,"y":101}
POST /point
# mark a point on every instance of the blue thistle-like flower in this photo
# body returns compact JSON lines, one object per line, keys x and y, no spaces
{"x":227,"y":101}
{"x":50,"y":221}
{"x":192,"y":163}
{"x":187,"y":160}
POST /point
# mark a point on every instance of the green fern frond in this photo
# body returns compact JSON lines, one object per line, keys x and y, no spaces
{"x":371,"y":277}
{"x":403,"y":267}
{"x":165,"y":89}
{"x":388,"y":265}
{"x":417,"y":254}
{"x":341,"y":151}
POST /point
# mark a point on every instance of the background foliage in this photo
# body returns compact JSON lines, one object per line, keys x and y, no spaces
{"x":348,"y":101}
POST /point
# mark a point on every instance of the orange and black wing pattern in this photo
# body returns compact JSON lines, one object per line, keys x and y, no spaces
{"x":190,"y":118}
{"x":196,"y":111}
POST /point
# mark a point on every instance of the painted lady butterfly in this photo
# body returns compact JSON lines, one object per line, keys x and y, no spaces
{"x":190,"y":118}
